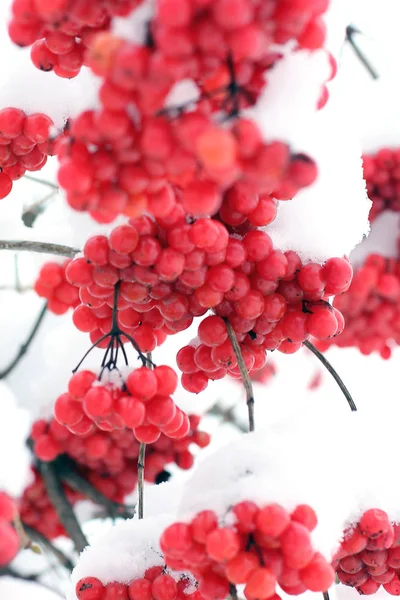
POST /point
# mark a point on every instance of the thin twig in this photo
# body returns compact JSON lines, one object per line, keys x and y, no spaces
{"x":227,"y":416}
{"x":63,"y":507}
{"x":332,"y":371}
{"x":79,"y":484}
{"x":248,"y":386}
{"x":325,"y":595}
{"x":41,"y":181}
{"x":41,"y":247}
{"x":350,"y":31}
{"x":32,"y":212}
{"x":141,"y":463}
{"x":43,"y":541}
{"x":25,"y":347}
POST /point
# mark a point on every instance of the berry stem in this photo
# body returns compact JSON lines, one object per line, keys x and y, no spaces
{"x":325,"y":595}
{"x":40,"y":247}
{"x":63,"y":507}
{"x":141,"y":463}
{"x":244,"y":373}
{"x":76,"y":482}
{"x":103,"y":337}
{"x":350,"y":31}
{"x":25,"y":347}
{"x":43,"y":541}
{"x":332,"y":371}
{"x":50,"y":184}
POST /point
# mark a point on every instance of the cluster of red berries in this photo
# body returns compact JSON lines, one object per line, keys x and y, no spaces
{"x":116,"y":164}
{"x":169,"y":273}
{"x":371,"y":308}
{"x":382,"y":174}
{"x":61,"y":30}
{"x":108,"y":167}
{"x":107,"y":459}
{"x":9,"y":540}
{"x":140,"y":401}
{"x":25,"y":145}
{"x":264,"y":547}
{"x":37,"y":511}
{"x":156,"y":584}
{"x":369,"y":555}
{"x":53,"y":285}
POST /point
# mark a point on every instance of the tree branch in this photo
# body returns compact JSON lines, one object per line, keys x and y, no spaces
{"x":25,"y":347}
{"x":79,"y":484}
{"x":43,"y":541}
{"x":141,"y":463}
{"x":50,"y":184}
{"x":350,"y":31}
{"x":41,"y":247}
{"x":63,"y":507}
{"x":248,"y":386}
{"x":332,"y":371}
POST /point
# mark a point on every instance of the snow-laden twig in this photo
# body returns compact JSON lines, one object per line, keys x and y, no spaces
{"x":41,"y":247}
{"x":25,"y":347}
{"x":63,"y":507}
{"x":333,"y":372}
{"x":248,"y":386}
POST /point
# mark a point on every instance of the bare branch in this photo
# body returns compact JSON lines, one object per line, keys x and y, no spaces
{"x":248,"y":386}
{"x":25,"y":347}
{"x":43,"y":541}
{"x":333,"y":372}
{"x":350,"y":31}
{"x":79,"y":484}
{"x":50,"y":184}
{"x":63,"y":507}
{"x":41,"y":247}
{"x":141,"y":463}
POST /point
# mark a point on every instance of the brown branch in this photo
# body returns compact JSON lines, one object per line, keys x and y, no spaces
{"x":141,"y":463}
{"x":63,"y":507}
{"x":41,"y":247}
{"x":333,"y":372}
{"x":248,"y":386}
{"x":25,"y":347}
{"x":43,"y":541}
{"x":79,"y":484}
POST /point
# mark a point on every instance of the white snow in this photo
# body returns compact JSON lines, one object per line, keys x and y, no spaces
{"x":123,"y":553}
{"x":14,"y":429}
{"x":17,"y":589}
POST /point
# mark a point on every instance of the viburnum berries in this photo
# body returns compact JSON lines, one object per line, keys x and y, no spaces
{"x":25,"y":144}
{"x":9,"y":540}
{"x":369,"y":555}
{"x":139,"y":401}
{"x":264,"y":547}
{"x":53,"y":285}
{"x":370,"y":308}
{"x":156,"y":584}
{"x":382,"y":174}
